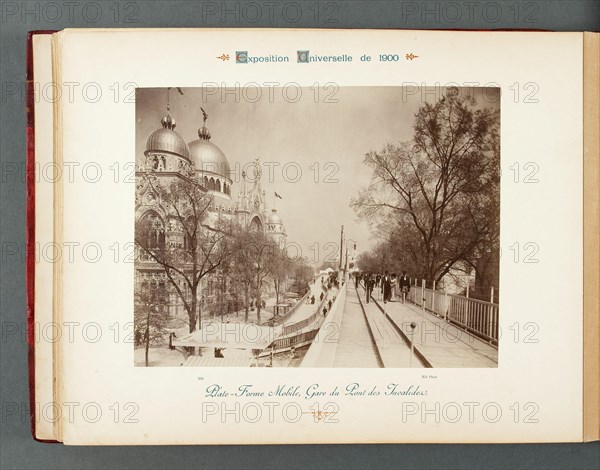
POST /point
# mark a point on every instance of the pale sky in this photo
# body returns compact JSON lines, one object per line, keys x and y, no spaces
{"x":308,"y":133}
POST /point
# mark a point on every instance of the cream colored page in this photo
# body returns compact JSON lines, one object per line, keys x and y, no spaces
{"x":44,"y":249}
{"x":535,"y":393}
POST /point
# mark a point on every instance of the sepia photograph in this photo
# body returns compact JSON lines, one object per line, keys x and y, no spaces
{"x":317,"y":226}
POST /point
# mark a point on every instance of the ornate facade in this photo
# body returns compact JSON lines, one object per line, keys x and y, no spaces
{"x":168,"y":157}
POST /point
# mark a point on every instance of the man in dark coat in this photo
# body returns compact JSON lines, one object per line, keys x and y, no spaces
{"x":369,"y":283}
{"x":404,"y":284}
{"x":386,"y":287}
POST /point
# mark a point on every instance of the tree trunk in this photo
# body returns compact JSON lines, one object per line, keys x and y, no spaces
{"x":193,"y":317}
{"x":258,"y":299}
{"x":258,"y":305}
{"x":247,"y":303}
{"x":147,"y":336}
{"x":193,"y":312}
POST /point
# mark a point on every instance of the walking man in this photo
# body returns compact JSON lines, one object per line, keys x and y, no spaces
{"x":386,"y":287}
{"x":404,"y":286}
{"x":369,"y":285}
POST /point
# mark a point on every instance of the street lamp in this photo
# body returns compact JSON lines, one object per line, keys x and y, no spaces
{"x":413,"y":325}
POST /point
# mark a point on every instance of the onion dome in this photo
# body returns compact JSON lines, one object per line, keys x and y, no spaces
{"x":166,"y":140}
{"x":274,"y":218}
{"x":206,"y":156}
{"x":204,"y":133}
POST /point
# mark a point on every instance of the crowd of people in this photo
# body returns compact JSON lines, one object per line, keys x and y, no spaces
{"x":393,"y":287}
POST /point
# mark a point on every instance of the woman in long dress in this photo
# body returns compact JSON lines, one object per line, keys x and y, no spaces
{"x":394,"y":286}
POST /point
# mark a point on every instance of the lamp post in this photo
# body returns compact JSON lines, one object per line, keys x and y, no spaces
{"x":384,"y":321}
{"x":413,"y":325}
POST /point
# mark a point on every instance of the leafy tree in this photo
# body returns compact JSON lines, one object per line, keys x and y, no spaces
{"x":437,"y":196}
{"x":302,"y":274}
{"x":329,"y":264}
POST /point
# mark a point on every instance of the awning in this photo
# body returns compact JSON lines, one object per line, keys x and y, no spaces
{"x":230,"y":335}
{"x":209,"y":361}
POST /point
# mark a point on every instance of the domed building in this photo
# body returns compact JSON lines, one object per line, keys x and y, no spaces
{"x":168,"y":157}
{"x":276,"y":228}
{"x":210,"y":163}
{"x":166,"y":140}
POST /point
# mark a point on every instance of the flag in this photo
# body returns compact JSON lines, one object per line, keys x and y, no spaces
{"x":277,"y":195}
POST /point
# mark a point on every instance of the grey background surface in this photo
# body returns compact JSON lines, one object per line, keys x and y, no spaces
{"x":17,"y":449}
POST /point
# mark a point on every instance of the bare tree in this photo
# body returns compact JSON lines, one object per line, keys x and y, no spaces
{"x":261,"y":249}
{"x":281,"y":266}
{"x":151,"y":314}
{"x":242,"y":269}
{"x":193,"y":247}
{"x":439,"y":193}
{"x":254,"y":257}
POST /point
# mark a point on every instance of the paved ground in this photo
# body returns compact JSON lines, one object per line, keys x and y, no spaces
{"x":306,"y":310}
{"x":393,"y":350}
{"x":355,"y":347}
{"x":442,"y":344}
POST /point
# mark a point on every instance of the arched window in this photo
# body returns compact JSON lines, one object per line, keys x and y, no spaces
{"x":256,"y":225}
{"x":156,"y":231}
{"x":218,"y":186}
{"x":206,"y":182}
{"x":211,"y":184}
{"x":187,"y":241}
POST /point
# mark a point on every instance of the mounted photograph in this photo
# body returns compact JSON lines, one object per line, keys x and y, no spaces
{"x":318,"y":226}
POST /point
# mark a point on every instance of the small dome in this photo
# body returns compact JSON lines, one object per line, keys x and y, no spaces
{"x":204,"y":133}
{"x":206,"y":156}
{"x":168,"y":122}
{"x":274,"y":218}
{"x":167,"y":140}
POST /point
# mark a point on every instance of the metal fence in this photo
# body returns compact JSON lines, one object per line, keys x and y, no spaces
{"x":477,"y":316}
{"x":287,"y":329}
{"x":281,"y":319}
{"x":292,"y":341}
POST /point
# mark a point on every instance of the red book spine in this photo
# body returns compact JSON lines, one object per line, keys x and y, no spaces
{"x":30,"y":224}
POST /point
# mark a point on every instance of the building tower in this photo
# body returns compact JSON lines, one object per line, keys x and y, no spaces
{"x":276,"y":229}
{"x":211,"y":165}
